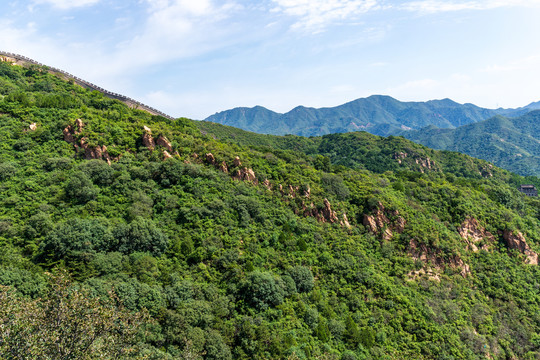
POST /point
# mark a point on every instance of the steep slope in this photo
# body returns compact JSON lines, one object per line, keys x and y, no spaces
{"x":263,"y":252}
{"x":511,"y":143}
{"x":379,"y":115}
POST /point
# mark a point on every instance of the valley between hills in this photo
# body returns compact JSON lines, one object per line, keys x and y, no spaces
{"x":126,"y":234}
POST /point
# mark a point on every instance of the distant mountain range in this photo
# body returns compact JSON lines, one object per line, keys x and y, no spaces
{"x":511,"y":143}
{"x":377,"y":114}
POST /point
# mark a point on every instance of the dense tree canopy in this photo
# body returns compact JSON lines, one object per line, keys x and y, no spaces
{"x":254,"y":247}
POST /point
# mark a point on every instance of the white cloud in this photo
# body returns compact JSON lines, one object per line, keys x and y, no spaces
{"x":172,"y":30}
{"x":436,"y":6}
{"x":315,"y":15}
{"x":67,"y":4}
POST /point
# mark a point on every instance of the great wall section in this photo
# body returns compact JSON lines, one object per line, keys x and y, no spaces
{"x":23,"y":60}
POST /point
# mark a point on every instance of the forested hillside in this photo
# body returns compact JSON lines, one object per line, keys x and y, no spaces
{"x":511,"y":143}
{"x":222,"y":245}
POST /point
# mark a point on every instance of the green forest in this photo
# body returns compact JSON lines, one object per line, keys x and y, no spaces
{"x":125,"y":235}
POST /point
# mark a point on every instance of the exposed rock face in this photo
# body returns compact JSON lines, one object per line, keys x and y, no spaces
{"x":266,"y":183}
{"x":426,"y":271}
{"x":293,"y":190}
{"x":307,"y":192}
{"x":164,"y":142}
{"x":327,"y":212}
{"x":72,"y":130}
{"x":147,"y":139}
{"x":516,"y":240}
{"x":80,"y":125}
{"x":379,"y":223}
{"x":96,"y":152}
{"x":399,"y":156}
{"x":90,"y":152}
{"x":166,"y":155}
{"x":435,"y":257}
{"x":473,"y":233}
{"x":223,"y":167}
{"x":237,"y":162}
{"x":93,"y":152}
{"x":246,"y":174}
{"x":345,"y":221}
{"x":426,"y":163}
{"x":68,"y":134}
{"x":210,"y":159}
{"x":33,"y":126}
{"x":399,"y":224}
{"x":324,"y":215}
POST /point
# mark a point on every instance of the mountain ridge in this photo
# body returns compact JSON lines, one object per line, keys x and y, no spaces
{"x":378,"y":114}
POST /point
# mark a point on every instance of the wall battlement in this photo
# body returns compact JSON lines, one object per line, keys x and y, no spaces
{"x":23,"y":60}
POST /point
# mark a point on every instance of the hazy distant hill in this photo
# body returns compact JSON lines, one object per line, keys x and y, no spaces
{"x":377,"y":114}
{"x":511,"y":143}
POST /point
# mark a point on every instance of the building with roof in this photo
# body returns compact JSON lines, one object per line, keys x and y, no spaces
{"x":528,"y":190}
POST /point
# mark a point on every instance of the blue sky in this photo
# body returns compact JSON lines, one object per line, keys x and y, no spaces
{"x":193,"y":58}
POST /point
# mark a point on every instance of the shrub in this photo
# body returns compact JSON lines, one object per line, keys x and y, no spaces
{"x":140,"y":235}
{"x":262,"y":290}
{"x":76,"y":237}
{"x":303,"y":278}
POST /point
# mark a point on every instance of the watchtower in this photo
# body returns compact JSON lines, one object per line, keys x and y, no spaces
{"x":528,"y":190}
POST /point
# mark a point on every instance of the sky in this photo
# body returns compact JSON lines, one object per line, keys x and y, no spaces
{"x":193,"y":58}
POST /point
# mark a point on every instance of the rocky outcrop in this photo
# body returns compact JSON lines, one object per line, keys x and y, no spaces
{"x":428,"y":272}
{"x":293,"y":190}
{"x":71,"y":130}
{"x":307,"y":192}
{"x":345,"y":221}
{"x":210,"y":159}
{"x":32,"y":127}
{"x":324,"y":214}
{"x":149,"y":142}
{"x":426,"y":163}
{"x":165,"y":143}
{"x":473,"y":234}
{"x":378,"y":223}
{"x":90,"y":152}
{"x":399,"y":156}
{"x":95,"y":152}
{"x":223,"y":167}
{"x":266,"y":183}
{"x":328,"y":214}
{"x":237,"y":162}
{"x":435,"y":259}
{"x":68,"y":135}
{"x":147,"y":139}
{"x":246,"y":174}
{"x":516,"y":241}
